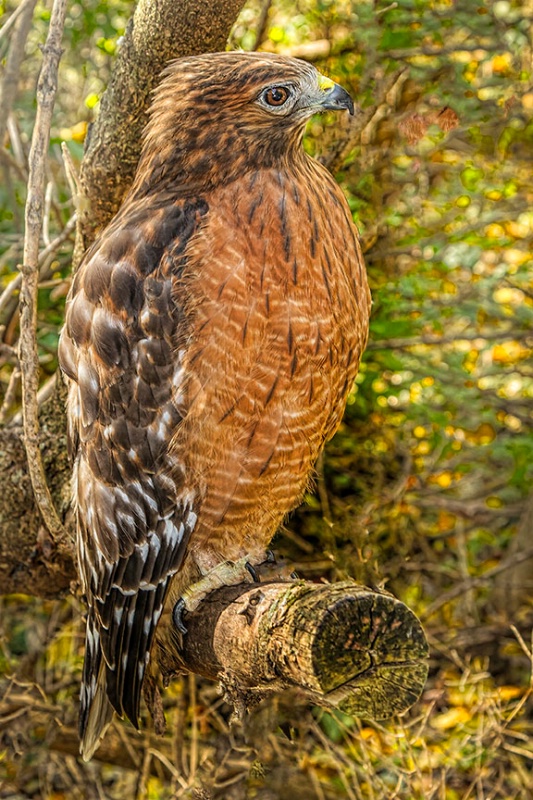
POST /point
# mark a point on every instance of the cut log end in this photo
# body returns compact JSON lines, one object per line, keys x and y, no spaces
{"x":344,"y":645}
{"x":370,"y":655}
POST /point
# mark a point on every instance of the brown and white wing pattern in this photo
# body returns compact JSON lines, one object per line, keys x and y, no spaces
{"x":120,"y":350}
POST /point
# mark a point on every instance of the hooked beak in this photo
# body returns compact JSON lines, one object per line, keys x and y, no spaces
{"x":336,"y":99}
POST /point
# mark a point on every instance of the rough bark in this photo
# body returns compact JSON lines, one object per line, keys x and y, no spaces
{"x":29,"y":561}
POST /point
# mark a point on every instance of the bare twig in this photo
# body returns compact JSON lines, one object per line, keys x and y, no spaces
{"x":14,"y":285}
{"x":479,"y":580}
{"x":46,"y":216}
{"x":23,"y":18}
{"x":388,"y":8}
{"x":18,"y":161}
{"x":22,"y":8}
{"x":28,"y":352}
{"x":71,"y":173}
{"x":262,"y":23}
{"x":9,"y":397}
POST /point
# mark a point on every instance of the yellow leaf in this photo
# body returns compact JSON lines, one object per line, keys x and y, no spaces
{"x":507,"y":294}
{"x":494,"y":231}
{"x":502,"y":64}
{"x":444,"y":479}
{"x":75,"y":134}
{"x":422,"y":449}
{"x":91,"y":100}
{"x":509,"y":352}
{"x":517,"y":230}
{"x":515,"y":256}
{"x":506,"y":693}
{"x":485,"y":433}
{"x":527,"y":101}
{"x":449,"y":288}
{"x":494,"y":502}
{"x":446,"y":521}
{"x":452,"y":718}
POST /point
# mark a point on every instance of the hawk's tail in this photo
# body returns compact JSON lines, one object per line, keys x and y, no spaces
{"x":96,"y":712}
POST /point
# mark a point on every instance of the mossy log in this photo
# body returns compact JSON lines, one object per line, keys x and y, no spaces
{"x":344,"y":645}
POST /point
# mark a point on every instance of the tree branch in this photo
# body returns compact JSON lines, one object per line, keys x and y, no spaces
{"x":22,"y":19}
{"x":30,"y":562}
{"x":344,"y":645}
{"x":28,"y":351}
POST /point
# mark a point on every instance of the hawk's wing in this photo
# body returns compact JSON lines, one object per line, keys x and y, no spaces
{"x":120,"y":347}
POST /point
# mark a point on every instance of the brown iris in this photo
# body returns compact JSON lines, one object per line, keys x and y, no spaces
{"x":276,"y":96}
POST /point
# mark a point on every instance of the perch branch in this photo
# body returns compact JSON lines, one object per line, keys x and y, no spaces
{"x":28,"y":352}
{"x":344,"y":645}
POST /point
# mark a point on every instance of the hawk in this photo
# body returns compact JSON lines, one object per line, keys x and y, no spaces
{"x":212,"y":334}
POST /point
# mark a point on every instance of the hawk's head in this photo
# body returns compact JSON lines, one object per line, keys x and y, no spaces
{"x":218,"y":115}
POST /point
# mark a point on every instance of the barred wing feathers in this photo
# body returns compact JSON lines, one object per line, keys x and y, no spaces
{"x":119,"y":349}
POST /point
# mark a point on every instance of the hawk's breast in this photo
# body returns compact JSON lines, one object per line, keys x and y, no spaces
{"x":278,"y":303}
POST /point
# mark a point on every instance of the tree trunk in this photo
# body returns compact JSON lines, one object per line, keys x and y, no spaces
{"x":30,"y":562}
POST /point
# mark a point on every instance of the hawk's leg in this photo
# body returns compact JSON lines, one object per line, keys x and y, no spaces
{"x":227,"y":573}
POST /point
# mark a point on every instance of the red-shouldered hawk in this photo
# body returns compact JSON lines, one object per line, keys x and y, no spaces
{"x":212,"y":335}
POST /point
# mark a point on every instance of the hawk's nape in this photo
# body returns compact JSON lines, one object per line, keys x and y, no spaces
{"x":212,"y":335}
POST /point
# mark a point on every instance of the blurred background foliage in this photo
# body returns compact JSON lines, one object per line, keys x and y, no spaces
{"x":426,"y":489}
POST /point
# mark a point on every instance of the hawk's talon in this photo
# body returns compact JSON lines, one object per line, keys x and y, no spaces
{"x":177,"y":616}
{"x":253,"y":572}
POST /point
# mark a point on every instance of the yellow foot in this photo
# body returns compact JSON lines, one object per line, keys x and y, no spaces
{"x":227,"y":573}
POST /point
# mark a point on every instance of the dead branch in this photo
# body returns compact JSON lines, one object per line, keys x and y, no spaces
{"x":262,"y":23}
{"x":19,"y":11}
{"x":400,"y":343}
{"x":510,"y":563}
{"x":28,"y":352}
{"x":344,"y":646}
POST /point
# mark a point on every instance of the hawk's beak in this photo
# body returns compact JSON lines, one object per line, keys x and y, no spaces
{"x":336,"y":98}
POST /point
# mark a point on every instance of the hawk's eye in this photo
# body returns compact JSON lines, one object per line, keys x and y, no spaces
{"x":276,"y":96}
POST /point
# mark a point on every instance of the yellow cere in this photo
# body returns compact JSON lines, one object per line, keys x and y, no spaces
{"x":325,"y":83}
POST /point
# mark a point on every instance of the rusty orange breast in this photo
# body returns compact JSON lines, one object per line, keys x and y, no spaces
{"x":278,"y":306}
